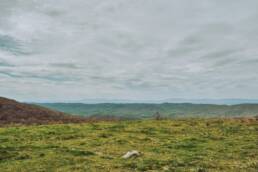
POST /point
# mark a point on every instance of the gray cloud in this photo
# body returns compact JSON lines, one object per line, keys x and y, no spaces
{"x":10,"y":45}
{"x":56,"y":50}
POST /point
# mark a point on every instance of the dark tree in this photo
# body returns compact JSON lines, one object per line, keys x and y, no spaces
{"x":157,"y":116}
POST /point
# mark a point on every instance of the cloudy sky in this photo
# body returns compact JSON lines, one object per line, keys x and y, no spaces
{"x":65,"y":50}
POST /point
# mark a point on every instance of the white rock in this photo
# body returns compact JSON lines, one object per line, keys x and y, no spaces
{"x":130,"y":154}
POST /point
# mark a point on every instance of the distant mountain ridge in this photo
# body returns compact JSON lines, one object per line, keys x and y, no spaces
{"x":145,"y":110}
{"x":226,"y":101}
{"x":172,"y":100}
{"x":214,"y":101}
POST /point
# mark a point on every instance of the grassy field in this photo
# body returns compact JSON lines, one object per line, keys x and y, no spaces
{"x":167,"y":145}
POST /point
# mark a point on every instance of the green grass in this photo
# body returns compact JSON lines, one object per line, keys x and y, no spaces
{"x":166,"y":145}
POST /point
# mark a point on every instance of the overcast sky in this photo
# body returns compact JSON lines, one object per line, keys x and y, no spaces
{"x":64,"y":50}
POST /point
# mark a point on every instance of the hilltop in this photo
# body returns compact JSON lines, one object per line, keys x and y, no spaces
{"x":197,"y":145}
{"x":13,"y":112}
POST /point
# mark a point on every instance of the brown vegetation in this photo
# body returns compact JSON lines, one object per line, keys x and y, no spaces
{"x":13,"y":112}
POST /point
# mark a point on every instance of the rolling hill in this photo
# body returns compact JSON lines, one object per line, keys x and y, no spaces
{"x":147,"y":110}
{"x":13,"y":112}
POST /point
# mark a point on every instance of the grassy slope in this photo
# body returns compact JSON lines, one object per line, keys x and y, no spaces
{"x":147,"y":110}
{"x":172,"y":145}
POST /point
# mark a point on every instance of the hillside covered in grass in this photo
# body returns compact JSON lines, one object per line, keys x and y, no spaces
{"x":148,"y":110}
{"x":165,"y":145}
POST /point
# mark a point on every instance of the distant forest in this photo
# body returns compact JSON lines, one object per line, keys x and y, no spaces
{"x":138,"y":111}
